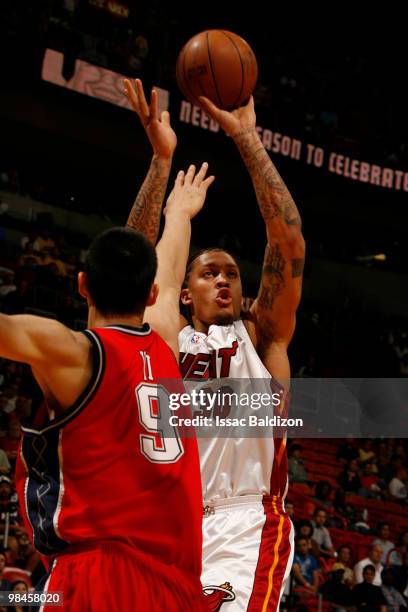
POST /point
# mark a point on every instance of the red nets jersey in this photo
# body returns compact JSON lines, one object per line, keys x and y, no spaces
{"x":105,"y":470}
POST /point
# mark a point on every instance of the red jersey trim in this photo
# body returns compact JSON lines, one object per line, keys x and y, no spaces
{"x":86,"y":396}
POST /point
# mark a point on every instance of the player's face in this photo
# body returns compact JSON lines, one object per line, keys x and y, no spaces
{"x":214,"y":290}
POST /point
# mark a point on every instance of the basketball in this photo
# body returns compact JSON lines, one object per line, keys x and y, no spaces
{"x":219,"y":65}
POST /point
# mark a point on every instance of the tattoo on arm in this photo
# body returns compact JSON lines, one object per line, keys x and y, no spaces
{"x":273,"y":196}
{"x":273,"y":281}
{"x":146,"y":210}
{"x":297,"y":267}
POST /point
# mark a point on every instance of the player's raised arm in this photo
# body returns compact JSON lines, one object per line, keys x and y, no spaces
{"x":146,"y":210}
{"x":279,"y":295}
{"x":184,"y":203}
{"x":60,"y":357}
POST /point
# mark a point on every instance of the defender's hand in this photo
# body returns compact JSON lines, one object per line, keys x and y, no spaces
{"x":189,"y":192}
{"x":159,"y":131}
{"x":232,"y":122}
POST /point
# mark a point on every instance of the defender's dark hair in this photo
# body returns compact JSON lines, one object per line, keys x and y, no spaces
{"x":120,"y":266}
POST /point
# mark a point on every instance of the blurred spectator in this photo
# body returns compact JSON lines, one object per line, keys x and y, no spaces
{"x":19,"y":586}
{"x":9,"y":394}
{"x":394,"y":599}
{"x":369,"y":482}
{"x":71,"y":264}
{"x":5,"y":585}
{"x":383,"y":540}
{"x":361,"y":525}
{"x":342,"y":507}
{"x":349,"y":479}
{"x":374,"y":559}
{"x":27,"y":557}
{"x":8,"y":504}
{"x":305,"y":566}
{"x":23,"y":407}
{"x":4,"y":462}
{"x":290,"y":509}
{"x":401,"y":575}
{"x":344,"y":559}
{"x":335,"y":590}
{"x":54,"y":258}
{"x":304,"y":529}
{"x":297,"y":470}
{"x":386,"y":469}
{"x":366,"y":453}
{"x":395,"y":556}
{"x":44,"y":242}
{"x":366,"y":595}
{"x":348,"y":451}
{"x":321,"y":533}
{"x":11,"y":441}
{"x":29,"y":255}
{"x":7,"y":285}
{"x":398,"y":485}
{"x":28,"y":238}
{"x":323,"y":491}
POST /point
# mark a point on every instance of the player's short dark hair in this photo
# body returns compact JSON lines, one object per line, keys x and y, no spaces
{"x":369,"y":567}
{"x":120,"y":266}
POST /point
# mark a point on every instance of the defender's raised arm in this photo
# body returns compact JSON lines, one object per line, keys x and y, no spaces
{"x":146,"y":210}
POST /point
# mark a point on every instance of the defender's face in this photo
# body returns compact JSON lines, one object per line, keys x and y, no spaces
{"x":214,"y":289}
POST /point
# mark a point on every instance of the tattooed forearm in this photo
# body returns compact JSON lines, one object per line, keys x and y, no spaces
{"x":146,"y":210}
{"x":297,"y":267}
{"x":273,"y":280}
{"x":274,"y":199}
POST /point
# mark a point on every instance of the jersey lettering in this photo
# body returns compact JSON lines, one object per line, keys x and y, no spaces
{"x":204,"y":365}
{"x":147,"y":366}
{"x":155,"y":447}
{"x":225,"y":354}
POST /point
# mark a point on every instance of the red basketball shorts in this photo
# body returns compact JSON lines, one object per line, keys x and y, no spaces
{"x":112,"y":577}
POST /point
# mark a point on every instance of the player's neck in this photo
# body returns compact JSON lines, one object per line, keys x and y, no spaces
{"x":200,"y":326}
{"x":96,"y":319}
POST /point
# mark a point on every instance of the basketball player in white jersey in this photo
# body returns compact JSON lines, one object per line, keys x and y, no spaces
{"x":248,"y":538}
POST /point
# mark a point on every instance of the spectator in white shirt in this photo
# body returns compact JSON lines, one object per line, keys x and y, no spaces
{"x":374,"y":558}
{"x":397,"y":486}
{"x":383,"y":541}
{"x":321,"y":534}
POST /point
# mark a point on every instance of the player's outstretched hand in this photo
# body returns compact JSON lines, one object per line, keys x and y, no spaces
{"x":232,"y":122}
{"x":158,"y":129}
{"x":189,"y":191}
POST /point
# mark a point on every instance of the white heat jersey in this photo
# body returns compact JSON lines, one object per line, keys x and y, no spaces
{"x":231,"y":467}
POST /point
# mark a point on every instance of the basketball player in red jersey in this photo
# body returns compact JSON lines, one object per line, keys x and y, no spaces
{"x":112,"y":504}
{"x":248,"y":538}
